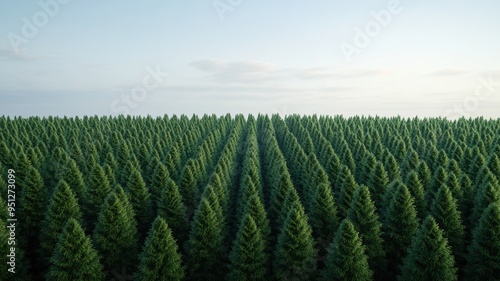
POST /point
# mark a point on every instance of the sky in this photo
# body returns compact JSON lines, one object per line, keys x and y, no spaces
{"x":410,"y":58}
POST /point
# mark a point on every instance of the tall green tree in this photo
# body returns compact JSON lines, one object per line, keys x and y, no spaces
{"x":74,"y":257}
{"x":62,"y":206}
{"x":140,"y":198}
{"x":347,"y":187}
{"x":115,"y":237}
{"x":429,"y":257}
{"x":160,"y":259}
{"x":488,"y":193}
{"x":445,"y":211}
{"x":97,"y":190}
{"x":483,"y":258}
{"x":377,"y":183}
{"x":32,"y":203}
{"x":248,"y":257}
{"x":204,"y":248}
{"x":324,"y":218}
{"x":417,"y":191}
{"x":256,"y":210}
{"x":159,"y":180}
{"x":439,"y":178}
{"x":401,"y":224}
{"x":295,"y":256}
{"x":172,"y":210}
{"x":362,"y":214}
{"x":188,"y":186}
{"x":346,"y":256}
{"x":74,"y":178}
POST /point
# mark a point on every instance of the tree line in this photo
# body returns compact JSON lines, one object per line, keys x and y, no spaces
{"x":252,"y":198}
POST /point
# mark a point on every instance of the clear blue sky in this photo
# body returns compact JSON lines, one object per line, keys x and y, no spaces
{"x":431,"y":58}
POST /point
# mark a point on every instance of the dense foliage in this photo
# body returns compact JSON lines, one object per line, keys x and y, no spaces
{"x":252,"y":198}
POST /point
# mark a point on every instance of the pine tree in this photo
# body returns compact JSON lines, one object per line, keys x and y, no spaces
{"x":483,"y":259}
{"x":363,"y":216}
{"x":62,"y":206}
{"x":114,"y":236}
{"x":248,"y":257}
{"x":347,"y":187}
{"x":377,"y":183}
{"x":204,"y":247}
{"x":392,"y":168}
{"x":295,"y":256}
{"x":255,"y":209}
{"x":74,"y":178}
{"x":188,"y":186}
{"x":488,"y":193}
{"x":346,"y":256}
{"x":467,"y":201}
{"x":417,"y":191}
{"x":429,"y":257}
{"x":140,"y":198}
{"x":278,"y":197}
{"x":160,"y":259}
{"x":424,"y":174}
{"x":445,"y":211}
{"x":74,"y":257}
{"x":32,"y":204}
{"x":173,"y":211}
{"x":439,"y":178}
{"x":129,"y":209}
{"x":400,"y":226}
{"x":323,"y":217}
{"x":97,"y":190}
{"x":159,"y":180}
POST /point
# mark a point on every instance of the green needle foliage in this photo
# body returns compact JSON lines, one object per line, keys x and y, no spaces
{"x":32,"y":204}
{"x":74,"y":258}
{"x":446,"y":213}
{"x":401,"y":224}
{"x":74,"y":178}
{"x":172,"y":210}
{"x":204,"y":247}
{"x":377,"y":183}
{"x":160,"y":259}
{"x":324,"y":218}
{"x":62,"y":206}
{"x":140,"y":198}
{"x":483,"y":260}
{"x":417,"y":191}
{"x":346,"y":256}
{"x":115,"y":237}
{"x":248,"y":257}
{"x":362,"y":214}
{"x":347,"y":187}
{"x":295,"y":256}
{"x":429,"y":257}
{"x":97,"y":190}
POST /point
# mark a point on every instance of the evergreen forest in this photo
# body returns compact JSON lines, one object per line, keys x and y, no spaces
{"x":250,"y":198}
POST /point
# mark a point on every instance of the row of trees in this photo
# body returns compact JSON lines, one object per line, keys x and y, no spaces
{"x":255,"y":198}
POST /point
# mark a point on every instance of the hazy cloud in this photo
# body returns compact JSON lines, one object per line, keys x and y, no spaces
{"x":325,"y":73}
{"x":450,"y":71}
{"x":23,"y":56}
